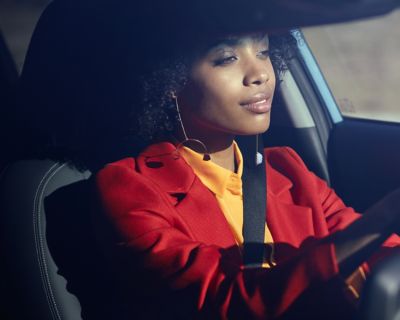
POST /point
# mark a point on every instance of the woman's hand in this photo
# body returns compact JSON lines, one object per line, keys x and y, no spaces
{"x":361,"y":239}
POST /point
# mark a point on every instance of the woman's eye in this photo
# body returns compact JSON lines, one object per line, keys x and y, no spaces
{"x":263,"y":54}
{"x":225,"y":61}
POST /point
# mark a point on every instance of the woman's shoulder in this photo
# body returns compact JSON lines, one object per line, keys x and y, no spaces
{"x":117,"y":172}
{"x":285,"y":165}
{"x":284,"y":158}
{"x":120,"y":179}
{"x":127,"y":163}
{"x":157,"y":170}
{"x":135,"y":165}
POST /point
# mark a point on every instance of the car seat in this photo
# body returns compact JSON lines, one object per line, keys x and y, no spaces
{"x":35,"y":289}
{"x":32,"y":287}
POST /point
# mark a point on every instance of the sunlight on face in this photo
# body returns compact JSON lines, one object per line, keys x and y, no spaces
{"x":230,"y":90}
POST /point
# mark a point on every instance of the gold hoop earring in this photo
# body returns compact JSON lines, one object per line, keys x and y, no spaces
{"x":206,"y":155}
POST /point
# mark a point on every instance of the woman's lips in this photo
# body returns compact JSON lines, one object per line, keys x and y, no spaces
{"x":261,"y":106}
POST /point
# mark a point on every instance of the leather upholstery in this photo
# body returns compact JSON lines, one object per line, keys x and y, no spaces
{"x":35,"y":290}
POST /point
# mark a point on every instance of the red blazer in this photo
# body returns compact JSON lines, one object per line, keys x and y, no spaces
{"x":186,"y":254}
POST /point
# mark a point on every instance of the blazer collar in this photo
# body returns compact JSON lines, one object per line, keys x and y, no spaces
{"x":163,"y":164}
{"x":277,"y":183}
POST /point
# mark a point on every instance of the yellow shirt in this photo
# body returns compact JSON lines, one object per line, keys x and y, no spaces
{"x":226,"y":186}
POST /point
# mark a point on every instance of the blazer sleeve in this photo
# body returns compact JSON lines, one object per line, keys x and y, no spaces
{"x":338,"y":215}
{"x":213,"y":285}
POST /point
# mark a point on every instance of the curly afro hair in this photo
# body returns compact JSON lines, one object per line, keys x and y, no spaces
{"x":158,"y":119}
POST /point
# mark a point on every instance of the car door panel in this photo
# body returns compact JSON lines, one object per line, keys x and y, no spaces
{"x":364,"y":160}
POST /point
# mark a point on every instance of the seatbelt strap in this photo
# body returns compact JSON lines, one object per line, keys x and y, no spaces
{"x":254,"y":182}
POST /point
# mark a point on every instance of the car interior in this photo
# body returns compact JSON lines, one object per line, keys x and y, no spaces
{"x":358,"y":158}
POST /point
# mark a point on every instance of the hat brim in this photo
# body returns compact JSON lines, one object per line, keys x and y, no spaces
{"x":232,"y":16}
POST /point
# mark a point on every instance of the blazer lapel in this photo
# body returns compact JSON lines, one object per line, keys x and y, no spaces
{"x":194,"y":202}
{"x":201,"y":211}
{"x":288,"y":222}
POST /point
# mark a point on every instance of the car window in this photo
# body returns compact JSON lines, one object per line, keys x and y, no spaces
{"x":360,"y":61}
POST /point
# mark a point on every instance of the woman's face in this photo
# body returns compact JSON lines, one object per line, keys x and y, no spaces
{"x":230,"y":89}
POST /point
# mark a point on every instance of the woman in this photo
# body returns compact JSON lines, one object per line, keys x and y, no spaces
{"x":166,"y":204}
{"x":171,"y":215}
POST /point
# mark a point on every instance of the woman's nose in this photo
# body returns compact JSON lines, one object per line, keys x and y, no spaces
{"x":256,"y":74}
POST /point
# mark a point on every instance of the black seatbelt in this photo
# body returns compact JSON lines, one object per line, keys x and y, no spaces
{"x":254,"y":181}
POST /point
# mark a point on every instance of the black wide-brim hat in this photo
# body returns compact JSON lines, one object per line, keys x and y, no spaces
{"x":112,"y":25}
{"x":231,"y":16}
{"x":175,"y":20}
{"x":108,"y":28}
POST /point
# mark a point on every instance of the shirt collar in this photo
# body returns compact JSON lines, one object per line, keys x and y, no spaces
{"x":163,"y":165}
{"x":213,"y":176}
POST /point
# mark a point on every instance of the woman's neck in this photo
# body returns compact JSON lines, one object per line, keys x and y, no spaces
{"x":224,"y":158}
